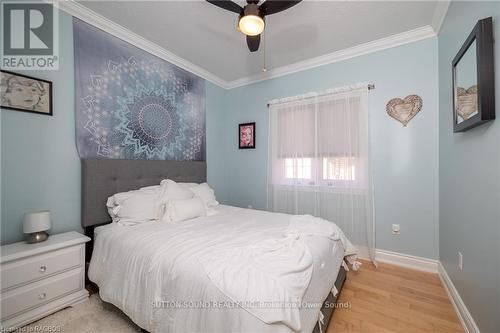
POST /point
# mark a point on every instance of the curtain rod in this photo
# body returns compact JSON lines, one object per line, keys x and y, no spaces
{"x":370,"y":87}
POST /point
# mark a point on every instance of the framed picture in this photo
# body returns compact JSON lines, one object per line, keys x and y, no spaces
{"x":473,"y":79}
{"x":246,"y":135}
{"x":25,"y":93}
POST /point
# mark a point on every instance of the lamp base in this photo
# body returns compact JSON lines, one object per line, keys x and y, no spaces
{"x":36,"y":237}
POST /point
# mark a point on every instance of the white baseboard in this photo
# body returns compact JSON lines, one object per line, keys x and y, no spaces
{"x":406,"y":260}
{"x":463,"y":313}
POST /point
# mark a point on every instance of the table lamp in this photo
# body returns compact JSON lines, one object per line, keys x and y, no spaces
{"x":35,"y":226}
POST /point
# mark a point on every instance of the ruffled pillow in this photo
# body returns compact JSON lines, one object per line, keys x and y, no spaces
{"x":134,"y":207}
{"x":171,"y":190}
{"x":206,"y":194}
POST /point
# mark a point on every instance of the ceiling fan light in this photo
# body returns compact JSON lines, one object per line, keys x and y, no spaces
{"x":251,"y":25}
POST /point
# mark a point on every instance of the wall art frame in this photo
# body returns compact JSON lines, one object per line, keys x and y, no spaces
{"x":246,"y":135}
{"x":474,"y":104}
{"x":25,"y":93}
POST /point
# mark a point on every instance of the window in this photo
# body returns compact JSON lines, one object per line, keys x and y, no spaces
{"x":319,"y":142}
{"x":339,"y":168}
{"x":298,"y":168}
{"x":330,"y":169}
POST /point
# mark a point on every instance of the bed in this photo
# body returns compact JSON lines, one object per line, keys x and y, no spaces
{"x":155,"y":272}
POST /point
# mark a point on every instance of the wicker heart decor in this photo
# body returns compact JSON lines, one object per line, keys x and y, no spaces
{"x":403,"y":110}
{"x":467,"y":102}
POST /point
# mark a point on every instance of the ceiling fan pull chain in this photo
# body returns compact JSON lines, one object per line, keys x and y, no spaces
{"x":264,"y":69}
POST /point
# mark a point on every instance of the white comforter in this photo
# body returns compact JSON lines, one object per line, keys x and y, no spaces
{"x":157,"y":273}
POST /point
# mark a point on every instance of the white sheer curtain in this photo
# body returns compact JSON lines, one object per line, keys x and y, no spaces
{"x":319,"y":160}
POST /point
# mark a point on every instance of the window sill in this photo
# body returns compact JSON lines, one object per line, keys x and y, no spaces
{"x":322,"y":189}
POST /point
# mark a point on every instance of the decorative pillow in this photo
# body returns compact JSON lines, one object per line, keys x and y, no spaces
{"x":137,"y":207}
{"x":112,"y":208}
{"x":187,"y":185}
{"x":171,"y":190}
{"x":186,"y":209}
{"x":206,"y":194}
{"x":113,"y":203}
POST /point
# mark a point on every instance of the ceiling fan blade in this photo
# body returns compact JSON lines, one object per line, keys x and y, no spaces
{"x":275,"y":6}
{"x":227,"y":5}
{"x":253,"y":43}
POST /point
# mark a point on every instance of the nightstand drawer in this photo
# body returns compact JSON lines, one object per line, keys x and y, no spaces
{"x":37,"y":267}
{"x":33,"y":295}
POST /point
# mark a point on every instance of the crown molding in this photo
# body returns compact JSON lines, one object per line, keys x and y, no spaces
{"x":89,"y":16}
{"x":440,"y":12}
{"x":355,"y":51}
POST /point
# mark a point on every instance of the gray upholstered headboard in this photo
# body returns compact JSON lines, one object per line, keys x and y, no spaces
{"x":102,"y":178}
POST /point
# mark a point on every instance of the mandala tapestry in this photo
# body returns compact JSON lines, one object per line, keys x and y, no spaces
{"x":133,"y":105}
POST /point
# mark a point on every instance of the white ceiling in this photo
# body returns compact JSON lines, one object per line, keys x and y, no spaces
{"x":206,"y":35}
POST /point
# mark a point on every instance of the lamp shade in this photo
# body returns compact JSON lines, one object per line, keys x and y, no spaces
{"x":35,"y":222}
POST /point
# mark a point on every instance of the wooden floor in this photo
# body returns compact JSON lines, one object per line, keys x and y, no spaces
{"x":393,"y":299}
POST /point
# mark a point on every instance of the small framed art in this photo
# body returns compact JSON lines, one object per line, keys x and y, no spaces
{"x":25,"y":93}
{"x":246,"y":135}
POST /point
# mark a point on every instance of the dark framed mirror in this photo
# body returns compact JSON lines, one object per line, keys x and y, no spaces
{"x":473,"y":79}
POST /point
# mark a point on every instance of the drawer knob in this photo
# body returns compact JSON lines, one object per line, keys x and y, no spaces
{"x":43,"y":269}
{"x":42,"y":296}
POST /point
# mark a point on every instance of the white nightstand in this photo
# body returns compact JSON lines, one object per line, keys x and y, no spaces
{"x":39,"y":279}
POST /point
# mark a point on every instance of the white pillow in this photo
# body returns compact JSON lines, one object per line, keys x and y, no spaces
{"x":112,"y":208}
{"x":115,"y":200}
{"x":140,"y":207}
{"x":181,"y":210}
{"x":187,"y":185}
{"x":206,"y":194}
{"x":171,"y":190}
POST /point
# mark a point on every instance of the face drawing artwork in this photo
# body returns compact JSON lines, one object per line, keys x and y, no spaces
{"x":247,"y":137}
{"x":25,"y":93}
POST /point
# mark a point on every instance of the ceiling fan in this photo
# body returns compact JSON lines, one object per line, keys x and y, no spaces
{"x":251,"y":20}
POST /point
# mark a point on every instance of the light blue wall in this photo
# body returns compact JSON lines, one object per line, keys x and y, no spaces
{"x":405,"y":159}
{"x":40,"y":167}
{"x":216,"y":158}
{"x":469,"y":179}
